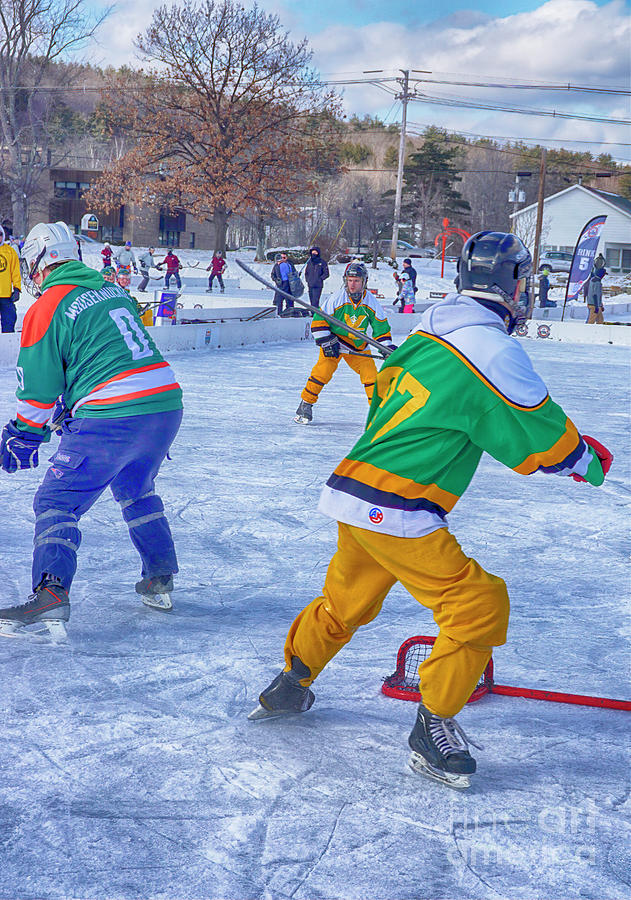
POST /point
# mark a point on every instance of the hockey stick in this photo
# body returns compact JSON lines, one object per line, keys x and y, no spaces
{"x":315,"y":309}
{"x":357,"y":353}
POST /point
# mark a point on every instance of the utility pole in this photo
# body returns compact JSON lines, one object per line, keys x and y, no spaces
{"x":540,"y":198}
{"x":516,"y":196}
{"x":404,"y":97}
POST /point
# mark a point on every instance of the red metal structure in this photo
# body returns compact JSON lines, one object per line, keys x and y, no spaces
{"x":449,"y":231}
{"x":403,"y":684}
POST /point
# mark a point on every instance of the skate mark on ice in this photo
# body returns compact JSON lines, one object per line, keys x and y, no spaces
{"x":322,"y":853}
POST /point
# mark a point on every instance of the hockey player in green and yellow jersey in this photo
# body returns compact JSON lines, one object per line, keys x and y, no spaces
{"x":120,"y":407}
{"x":459,"y":386}
{"x":356,"y":306}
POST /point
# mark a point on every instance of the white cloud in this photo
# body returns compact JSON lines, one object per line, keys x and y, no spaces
{"x":561,"y":41}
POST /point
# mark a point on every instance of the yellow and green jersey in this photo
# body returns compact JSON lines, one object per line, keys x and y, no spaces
{"x":83,"y":338}
{"x":366,"y":313}
{"x":9,"y":271}
{"x":459,"y":386}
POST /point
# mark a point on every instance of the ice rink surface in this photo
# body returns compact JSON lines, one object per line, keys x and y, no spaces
{"x":129,"y":769}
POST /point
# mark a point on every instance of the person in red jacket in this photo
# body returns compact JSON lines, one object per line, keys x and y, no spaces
{"x":216,"y":268}
{"x":173,"y":265}
{"x":106,"y":253}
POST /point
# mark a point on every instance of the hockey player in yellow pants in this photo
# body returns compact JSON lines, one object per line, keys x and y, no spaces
{"x":352,"y":305}
{"x":325,"y":368}
{"x":470,"y":607}
{"x":458,"y":387}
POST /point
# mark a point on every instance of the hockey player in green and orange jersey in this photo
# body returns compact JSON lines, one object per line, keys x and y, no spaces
{"x":457,"y":387}
{"x":83,"y":342}
{"x":356,"y":306}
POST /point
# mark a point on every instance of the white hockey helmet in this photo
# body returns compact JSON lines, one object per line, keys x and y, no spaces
{"x":45,"y":245}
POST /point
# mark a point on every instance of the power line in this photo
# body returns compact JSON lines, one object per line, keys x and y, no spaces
{"x":503,"y":137}
{"x":519,"y":110}
{"x":513,"y":86}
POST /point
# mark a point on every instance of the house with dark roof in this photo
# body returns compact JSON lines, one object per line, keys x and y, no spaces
{"x":566,"y":212}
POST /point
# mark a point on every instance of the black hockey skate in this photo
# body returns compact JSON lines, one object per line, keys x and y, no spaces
{"x":285,"y":695}
{"x":304,"y":413}
{"x":156,"y":592}
{"x":440,"y":749}
{"x":49,"y":606}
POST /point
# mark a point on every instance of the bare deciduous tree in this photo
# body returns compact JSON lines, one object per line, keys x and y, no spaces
{"x":34,"y":34}
{"x":231,"y":116}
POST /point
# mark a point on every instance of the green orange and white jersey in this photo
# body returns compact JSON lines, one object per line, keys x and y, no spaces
{"x":458,"y":386}
{"x":83,"y":339}
{"x":366,"y":313}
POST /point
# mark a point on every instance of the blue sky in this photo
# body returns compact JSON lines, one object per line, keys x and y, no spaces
{"x":360,"y":12}
{"x":581,"y":42}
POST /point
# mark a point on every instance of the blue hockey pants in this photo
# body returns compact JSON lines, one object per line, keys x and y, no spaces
{"x":125,"y":454}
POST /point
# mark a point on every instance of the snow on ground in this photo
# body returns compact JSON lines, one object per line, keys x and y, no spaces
{"x":130,"y":769}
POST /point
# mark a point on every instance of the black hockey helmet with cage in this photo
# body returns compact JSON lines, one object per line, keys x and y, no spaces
{"x":495,"y":262}
{"x":356,"y":269}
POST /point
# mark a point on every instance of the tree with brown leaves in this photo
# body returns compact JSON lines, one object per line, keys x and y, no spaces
{"x":228,"y":116}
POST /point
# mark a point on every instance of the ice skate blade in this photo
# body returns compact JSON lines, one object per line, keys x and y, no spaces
{"x":158,"y":601}
{"x":420,"y":765}
{"x":261,"y":713}
{"x":302,"y":420}
{"x":44,"y":632}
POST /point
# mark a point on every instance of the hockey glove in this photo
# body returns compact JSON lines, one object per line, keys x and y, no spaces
{"x":605,"y":456}
{"x":60,"y":414}
{"x":331,"y":347}
{"x":18,"y":449}
{"x":15,"y":296}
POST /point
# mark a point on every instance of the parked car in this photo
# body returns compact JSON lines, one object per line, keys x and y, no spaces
{"x":404,"y":248}
{"x":296,"y":254}
{"x":555,"y":260}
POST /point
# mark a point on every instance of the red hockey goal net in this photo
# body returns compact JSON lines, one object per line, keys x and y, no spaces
{"x":403,"y":684}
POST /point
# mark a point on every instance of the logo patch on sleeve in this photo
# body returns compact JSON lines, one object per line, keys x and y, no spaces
{"x":375,"y":515}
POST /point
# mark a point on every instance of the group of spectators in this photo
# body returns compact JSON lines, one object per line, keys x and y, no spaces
{"x":592,"y":291}
{"x":284,"y":276}
{"x":286,"y":279}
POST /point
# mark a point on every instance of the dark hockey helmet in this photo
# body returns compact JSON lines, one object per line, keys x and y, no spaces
{"x":495,"y":262}
{"x":356,"y":270}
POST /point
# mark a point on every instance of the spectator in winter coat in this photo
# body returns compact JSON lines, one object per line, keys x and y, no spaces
{"x":595,"y":297}
{"x":125,"y":258}
{"x":280,"y":277}
{"x":106,"y":253}
{"x":173,"y":265}
{"x":10,"y":284}
{"x":411,"y":271}
{"x":216,"y":268}
{"x":544,"y":287}
{"x":145,"y":261}
{"x":405,"y":295}
{"x":316,"y":273}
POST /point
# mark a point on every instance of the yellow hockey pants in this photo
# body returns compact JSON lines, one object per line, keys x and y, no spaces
{"x":325,"y":367}
{"x":470,"y":607}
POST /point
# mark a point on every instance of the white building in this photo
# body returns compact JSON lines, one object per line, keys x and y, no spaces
{"x":565,"y":214}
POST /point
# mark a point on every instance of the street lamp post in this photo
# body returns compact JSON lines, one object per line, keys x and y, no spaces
{"x":359,"y":206}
